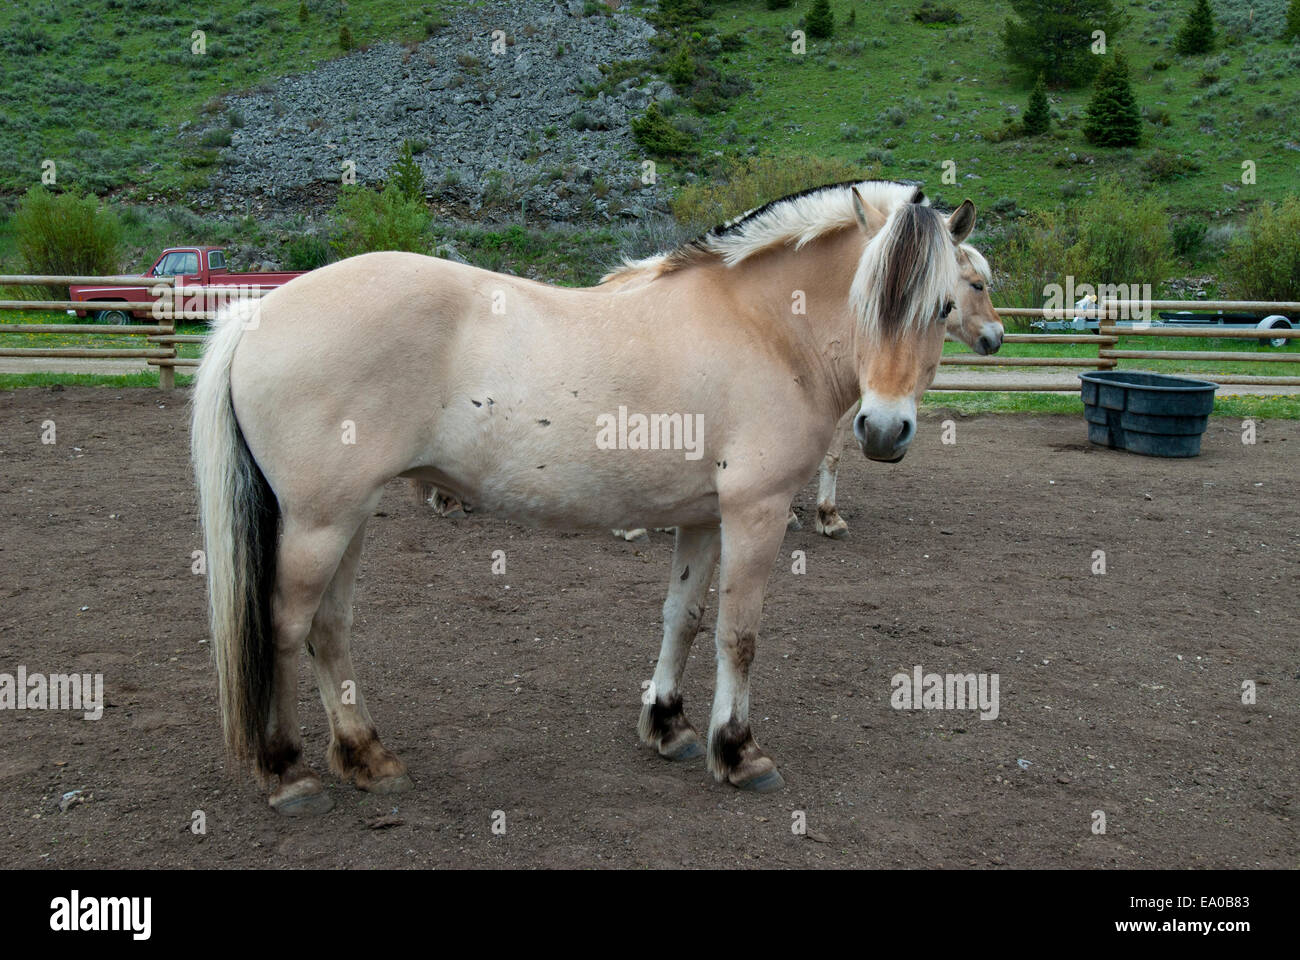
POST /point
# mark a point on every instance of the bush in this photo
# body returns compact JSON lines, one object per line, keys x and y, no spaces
{"x":1187,"y":236}
{"x":307,"y":253}
{"x":346,"y":42}
{"x":303,"y":13}
{"x":366,"y":220}
{"x":659,"y":137}
{"x":1263,"y":261}
{"x":1112,"y":118}
{"x":820,"y":21}
{"x":752,"y":182}
{"x":1115,"y":236}
{"x":67,"y":234}
{"x":1292,"y":29}
{"x":1164,"y":165}
{"x":1197,"y":33}
{"x":1038,"y":116}
{"x":929,"y":12}
{"x":1054,"y":38}
{"x":406,"y":176}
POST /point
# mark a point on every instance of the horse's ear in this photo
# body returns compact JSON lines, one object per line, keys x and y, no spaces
{"x":869,"y":218}
{"x":962,"y":221}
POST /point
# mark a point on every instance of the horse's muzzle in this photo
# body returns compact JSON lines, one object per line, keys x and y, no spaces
{"x":884,"y":438}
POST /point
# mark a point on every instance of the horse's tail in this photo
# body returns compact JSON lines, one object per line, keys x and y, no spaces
{"x":240,"y":518}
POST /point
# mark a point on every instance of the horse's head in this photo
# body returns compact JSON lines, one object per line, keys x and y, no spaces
{"x":904,"y":292}
{"x":975,"y":322}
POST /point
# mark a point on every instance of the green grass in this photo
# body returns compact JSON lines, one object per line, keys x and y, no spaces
{"x":1275,"y":407}
{"x":949,"y":85}
{"x":1262,"y":368}
{"x":102,"y":86}
{"x":18,"y":381}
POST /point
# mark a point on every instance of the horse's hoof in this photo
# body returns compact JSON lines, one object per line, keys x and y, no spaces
{"x":687,"y":748}
{"x":792,"y":522}
{"x":457,"y":514}
{"x":398,"y":784}
{"x":838,"y":532}
{"x":767,"y":782}
{"x":305,"y":798}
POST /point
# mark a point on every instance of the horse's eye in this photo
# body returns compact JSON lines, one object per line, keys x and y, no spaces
{"x":947,"y":309}
{"x":978,"y":286}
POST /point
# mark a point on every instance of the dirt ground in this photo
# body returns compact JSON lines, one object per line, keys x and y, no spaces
{"x":1119,"y":692}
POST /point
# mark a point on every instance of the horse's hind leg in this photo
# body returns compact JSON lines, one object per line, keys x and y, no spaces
{"x":355,"y":752}
{"x":751,"y":537}
{"x":306,"y":560}
{"x":829,"y":521}
{"x":663,"y":725}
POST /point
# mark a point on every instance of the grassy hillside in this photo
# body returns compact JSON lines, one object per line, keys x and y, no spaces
{"x":103,"y":87}
{"x":909,"y":96}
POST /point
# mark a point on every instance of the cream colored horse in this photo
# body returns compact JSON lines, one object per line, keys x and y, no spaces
{"x":975,"y":322}
{"x":505,"y":392}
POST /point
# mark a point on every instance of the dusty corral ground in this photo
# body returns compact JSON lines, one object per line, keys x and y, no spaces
{"x":1119,"y":693}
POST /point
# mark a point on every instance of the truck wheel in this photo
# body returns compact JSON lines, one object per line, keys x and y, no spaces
{"x":112,"y":316}
{"x":1275,"y":322}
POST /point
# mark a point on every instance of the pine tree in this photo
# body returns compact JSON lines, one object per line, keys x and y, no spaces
{"x":1038,"y":116}
{"x":1292,"y":29}
{"x":1112,"y":118}
{"x":1056,"y":38}
{"x":406,"y":177}
{"x":820,"y":20}
{"x":1197,"y":34}
{"x":345,"y":38}
{"x":303,"y":14}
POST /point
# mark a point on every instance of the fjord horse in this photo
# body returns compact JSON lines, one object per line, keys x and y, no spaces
{"x":499,"y":390}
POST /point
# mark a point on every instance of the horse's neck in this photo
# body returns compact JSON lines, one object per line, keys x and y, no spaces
{"x":806,"y":293}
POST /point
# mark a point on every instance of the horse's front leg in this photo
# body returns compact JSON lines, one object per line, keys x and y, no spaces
{"x":663,"y":725}
{"x":829,"y":521}
{"x":751,"y":537}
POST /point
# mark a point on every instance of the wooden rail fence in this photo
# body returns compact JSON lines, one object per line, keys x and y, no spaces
{"x":164,"y":339}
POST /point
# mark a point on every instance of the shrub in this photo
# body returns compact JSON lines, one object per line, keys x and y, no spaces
{"x":1197,"y":33}
{"x":1112,"y":118}
{"x":346,"y":42}
{"x":1263,"y":261}
{"x":366,"y":220}
{"x":752,"y":182}
{"x":1292,"y":29}
{"x":1187,"y":236}
{"x":1165,"y":165}
{"x":1116,"y":236}
{"x":820,"y":21}
{"x":659,"y":137}
{"x":67,"y":234}
{"x":303,"y":13}
{"x":1038,"y":115}
{"x":930,"y":12}
{"x":406,"y":176}
{"x":307,"y":253}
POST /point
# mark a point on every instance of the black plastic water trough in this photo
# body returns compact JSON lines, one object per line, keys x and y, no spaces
{"x":1148,"y":413}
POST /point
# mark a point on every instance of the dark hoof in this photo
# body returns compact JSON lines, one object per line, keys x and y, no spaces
{"x":839,"y":532}
{"x":309,"y":800}
{"x":768,"y":782}
{"x":688,"y":748}
{"x":398,"y":784}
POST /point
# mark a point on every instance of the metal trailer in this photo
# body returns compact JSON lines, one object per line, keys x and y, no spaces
{"x":1174,"y":318}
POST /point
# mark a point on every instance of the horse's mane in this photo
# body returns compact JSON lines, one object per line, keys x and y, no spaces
{"x":797,"y":219}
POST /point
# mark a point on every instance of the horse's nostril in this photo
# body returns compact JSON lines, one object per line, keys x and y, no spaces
{"x":905,"y":432}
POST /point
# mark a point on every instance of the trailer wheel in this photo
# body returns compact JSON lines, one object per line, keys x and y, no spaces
{"x":1275,"y":322}
{"x":112,"y":316}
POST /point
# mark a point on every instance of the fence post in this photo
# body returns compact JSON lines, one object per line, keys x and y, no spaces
{"x":167,"y":372}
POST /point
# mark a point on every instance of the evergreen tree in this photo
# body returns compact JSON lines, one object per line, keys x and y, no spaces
{"x":1038,"y":116}
{"x":302,"y":11}
{"x":1112,"y":118}
{"x":406,"y":177}
{"x":820,"y":20}
{"x":1055,"y":38}
{"x":1292,"y":29}
{"x":1197,"y":34}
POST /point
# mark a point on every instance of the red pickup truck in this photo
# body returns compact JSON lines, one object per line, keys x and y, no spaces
{"x":200,"y":270}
